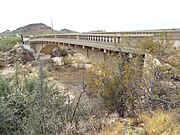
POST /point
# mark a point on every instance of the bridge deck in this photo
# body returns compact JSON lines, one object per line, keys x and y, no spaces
{"x":87,"y":43}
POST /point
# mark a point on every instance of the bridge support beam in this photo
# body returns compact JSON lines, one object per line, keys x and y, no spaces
{"x":87,"y":53}
{"x":130,"y":55}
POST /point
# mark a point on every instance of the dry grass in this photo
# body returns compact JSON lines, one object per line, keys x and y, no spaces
{"x":162,"y":123}
{"x":113,"y":129}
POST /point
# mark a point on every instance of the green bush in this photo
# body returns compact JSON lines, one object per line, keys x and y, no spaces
{"x":7,"y":44}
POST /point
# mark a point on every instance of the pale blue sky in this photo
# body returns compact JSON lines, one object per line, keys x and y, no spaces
{"x":87,"y":15}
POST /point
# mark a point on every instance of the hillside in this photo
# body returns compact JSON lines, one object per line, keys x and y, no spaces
{"x":67,"y":31}
{"x":6,"y":33}
{"x":34,"y":29}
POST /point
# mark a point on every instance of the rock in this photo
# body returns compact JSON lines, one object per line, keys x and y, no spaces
{"x":75,"y":65}
{"x":156,"y":62}
{"x":16,"y":46}
{"x":26,"y":57}
{"x":19,"y":53}
{"x":58,"y":61}
{"x":44,"y":57}
{"x":88,"y":66}
{"x":87,"y":61}
{"x":59,"y":52}
{"x":82,"y":66}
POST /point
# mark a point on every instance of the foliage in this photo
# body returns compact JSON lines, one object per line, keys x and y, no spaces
{"x":118,"y":87}
{"x":36,"y":106}
{"x":139,"y":83}
{"x":7,"y":44}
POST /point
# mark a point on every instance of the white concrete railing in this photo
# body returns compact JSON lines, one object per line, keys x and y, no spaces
{"x":109,"y":38}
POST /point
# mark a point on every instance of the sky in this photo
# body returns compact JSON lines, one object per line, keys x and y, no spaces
{"x":89,"y":15}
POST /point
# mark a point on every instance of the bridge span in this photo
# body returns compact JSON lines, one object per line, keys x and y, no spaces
{"x":103,"y":42}
{"x":94,"y":44}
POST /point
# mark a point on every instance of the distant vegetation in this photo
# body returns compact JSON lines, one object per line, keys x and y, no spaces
{"x":7,"y":43}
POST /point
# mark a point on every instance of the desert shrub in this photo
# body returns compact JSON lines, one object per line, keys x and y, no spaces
{"x":68,"y":60}
{"x":130,"y":87}
{"x":36,"y":106}
{"x":118,"y":87}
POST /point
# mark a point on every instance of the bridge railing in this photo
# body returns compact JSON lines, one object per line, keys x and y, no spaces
{"x":105,"y":38}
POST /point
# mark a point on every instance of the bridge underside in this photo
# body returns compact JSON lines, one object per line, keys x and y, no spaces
{"x":47,"y":49}
{"x":96,"y":55}
{"x":42,"y":48}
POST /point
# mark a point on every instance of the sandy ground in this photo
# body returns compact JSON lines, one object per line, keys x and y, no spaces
{"x":72,"y":79}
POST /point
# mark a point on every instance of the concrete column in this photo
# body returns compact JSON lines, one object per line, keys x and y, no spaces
{"x":113,"y":39}
{"x":117,"y":40}
{"x":107,"y":39}
{"x":83,"y":46}
{"x":104,"y":50}
{"x":87,"y":55}
{"x":104,"y":57}
{"x":102,"y":39}
{"x":93,"y":48}
{"x":110,"y":39}
{"x":97,"y":38}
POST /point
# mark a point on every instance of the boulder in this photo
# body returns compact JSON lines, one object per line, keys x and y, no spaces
{"x":59,"y":52}
{"x":88,"y":66}
{"x":58,"y":61}
{"x":18,"y":53}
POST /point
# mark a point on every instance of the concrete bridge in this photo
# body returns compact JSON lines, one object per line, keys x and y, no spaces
{"x":87,"y":42}
{"x":97,"y":45}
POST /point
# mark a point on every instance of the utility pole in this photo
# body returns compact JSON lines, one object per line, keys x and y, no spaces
{"x":52,"y":25}
{"x":22,"y":41}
